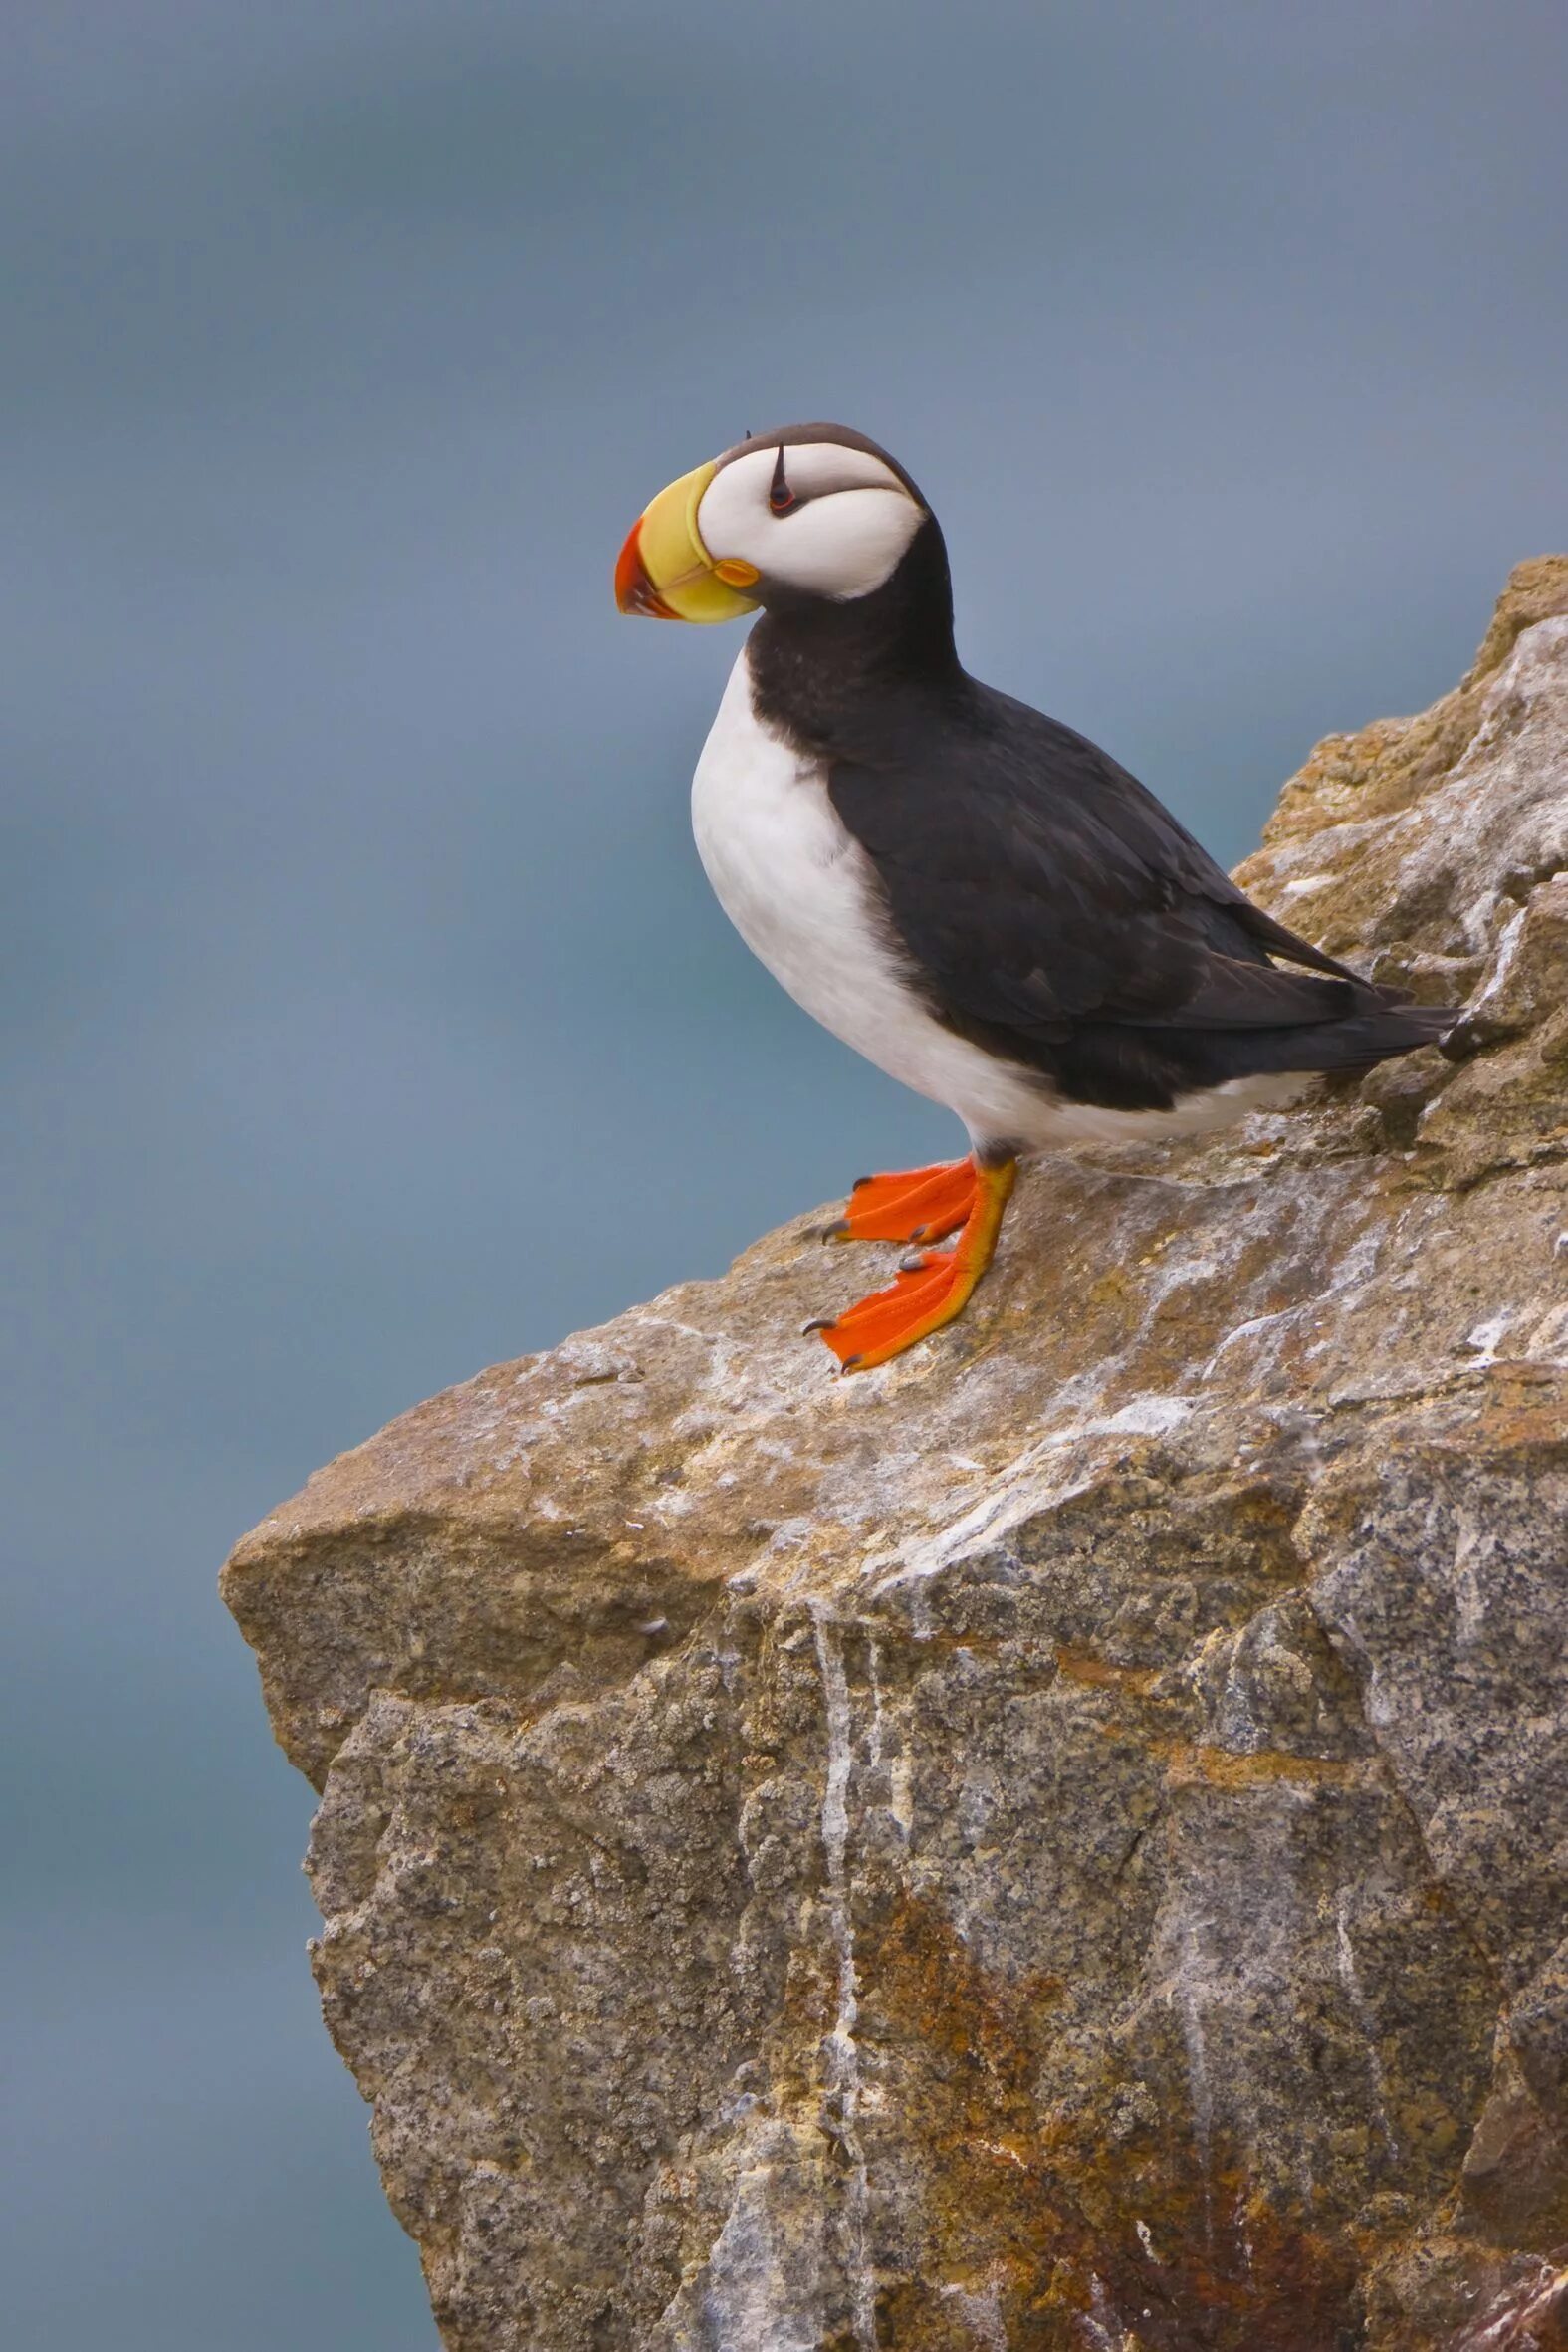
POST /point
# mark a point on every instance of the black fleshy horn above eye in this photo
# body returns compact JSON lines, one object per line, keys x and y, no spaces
{"x":780,"y":498}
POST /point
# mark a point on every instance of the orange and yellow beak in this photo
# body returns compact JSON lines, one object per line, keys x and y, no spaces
{"x":666,"y":574}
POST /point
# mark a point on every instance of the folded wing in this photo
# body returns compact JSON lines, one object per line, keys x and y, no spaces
{"x":1053,"y":911}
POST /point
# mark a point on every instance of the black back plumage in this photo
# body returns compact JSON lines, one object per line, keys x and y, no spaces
{"x":1046,"y":906}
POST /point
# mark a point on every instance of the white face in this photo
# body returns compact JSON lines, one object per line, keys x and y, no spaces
{"x":836,"y":524}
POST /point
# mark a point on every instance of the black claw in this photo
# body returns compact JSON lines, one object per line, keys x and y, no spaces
{"x":850,"y":1363}
{"x":839,"y":1231}
{"x":913,"y":1264}
{"x":821,"y":1322}
{"x":919,"y":1233}
{"x":860,"y":1183}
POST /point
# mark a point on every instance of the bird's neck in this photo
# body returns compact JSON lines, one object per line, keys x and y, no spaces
{"x":819,"y":670}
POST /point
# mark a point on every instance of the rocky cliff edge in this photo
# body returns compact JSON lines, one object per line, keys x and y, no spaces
{"x":1059,"y":1843}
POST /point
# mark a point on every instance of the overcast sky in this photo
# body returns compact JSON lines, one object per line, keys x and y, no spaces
{"x":367,"y":1018}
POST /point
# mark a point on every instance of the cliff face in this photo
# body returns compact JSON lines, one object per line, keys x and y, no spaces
{"x":1057,"y":1843}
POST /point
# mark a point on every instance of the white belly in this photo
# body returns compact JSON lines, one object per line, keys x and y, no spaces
{"x":799,"y":888}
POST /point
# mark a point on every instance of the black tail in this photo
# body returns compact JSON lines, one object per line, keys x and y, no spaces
{"x":1130,"y":1067}
{"x":1380,"y":1026}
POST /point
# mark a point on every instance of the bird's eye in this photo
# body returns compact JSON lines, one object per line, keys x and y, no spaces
{"x":780,"y":498}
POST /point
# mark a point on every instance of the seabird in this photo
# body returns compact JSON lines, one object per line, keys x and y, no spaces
{"x":978,"y":901}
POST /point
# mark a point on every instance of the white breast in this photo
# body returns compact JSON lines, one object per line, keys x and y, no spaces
{"x":799,"y":888}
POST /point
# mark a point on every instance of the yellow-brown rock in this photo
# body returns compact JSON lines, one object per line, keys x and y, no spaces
{"x":1057,"y":1844}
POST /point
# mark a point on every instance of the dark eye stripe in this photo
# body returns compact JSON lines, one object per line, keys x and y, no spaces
{"x":780,"y":498}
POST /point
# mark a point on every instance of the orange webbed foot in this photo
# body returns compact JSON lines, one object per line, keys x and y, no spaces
{"x":908,"y":1205}
{"x":931,"y":1290}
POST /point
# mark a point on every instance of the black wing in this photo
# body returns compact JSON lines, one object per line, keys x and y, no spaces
{"x":1053,"y":911}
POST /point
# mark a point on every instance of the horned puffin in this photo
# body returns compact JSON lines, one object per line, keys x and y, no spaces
{"x":978,"y":899}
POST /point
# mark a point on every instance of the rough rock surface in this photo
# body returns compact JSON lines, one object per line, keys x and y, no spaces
{"x":1057,"y":1843}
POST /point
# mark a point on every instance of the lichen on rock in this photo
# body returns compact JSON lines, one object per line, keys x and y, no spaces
{"x":1061,"y":1842}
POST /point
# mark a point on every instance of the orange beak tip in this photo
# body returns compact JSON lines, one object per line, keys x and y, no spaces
{"x":634,"y":590}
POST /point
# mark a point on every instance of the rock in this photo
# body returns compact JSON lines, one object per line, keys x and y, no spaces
{"x":1057,"y":1843}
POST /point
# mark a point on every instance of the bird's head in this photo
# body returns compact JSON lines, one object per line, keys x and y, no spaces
{"x":809,"y":514}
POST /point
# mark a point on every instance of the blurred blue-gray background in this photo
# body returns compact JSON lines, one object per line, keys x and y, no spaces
{"x":366,"y":1017}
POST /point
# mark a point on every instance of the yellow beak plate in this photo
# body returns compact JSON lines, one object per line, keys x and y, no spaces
{"x":666,"y":572}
